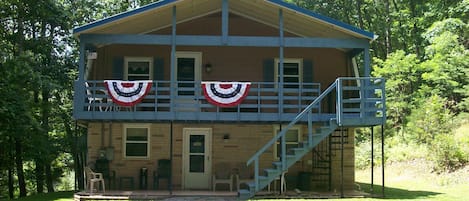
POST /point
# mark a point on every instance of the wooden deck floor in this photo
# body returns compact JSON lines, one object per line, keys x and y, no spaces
{"x":205,"y":195}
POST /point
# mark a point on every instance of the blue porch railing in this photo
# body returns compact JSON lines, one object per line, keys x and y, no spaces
{"x":187,"y":102}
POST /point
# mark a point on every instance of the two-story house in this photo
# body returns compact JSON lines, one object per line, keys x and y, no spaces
{"x":260,"y":88}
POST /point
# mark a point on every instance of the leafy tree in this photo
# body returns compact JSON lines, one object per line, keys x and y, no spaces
{"x":403,"y":78}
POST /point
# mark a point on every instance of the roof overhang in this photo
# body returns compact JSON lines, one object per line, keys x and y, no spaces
{"x":154,"y":16}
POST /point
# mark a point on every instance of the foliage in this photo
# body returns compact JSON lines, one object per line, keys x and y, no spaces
{"x":447,"y":153}
{"x":428,"y":119}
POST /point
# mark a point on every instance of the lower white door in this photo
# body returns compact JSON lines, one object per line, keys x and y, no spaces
{"x":197,"y":158}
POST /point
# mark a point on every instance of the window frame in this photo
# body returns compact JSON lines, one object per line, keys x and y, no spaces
{"x":299,"y":61}
{"x":124,"y":141}
{"x":138,"y":59}
{"x":277,"y":128}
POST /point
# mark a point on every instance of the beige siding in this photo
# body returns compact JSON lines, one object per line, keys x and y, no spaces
{"x":245,"y":140}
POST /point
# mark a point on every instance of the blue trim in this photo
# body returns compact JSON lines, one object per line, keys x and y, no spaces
{"x":245,"y":41}
{"x":122,"y":15}
{"x":332,"y":21}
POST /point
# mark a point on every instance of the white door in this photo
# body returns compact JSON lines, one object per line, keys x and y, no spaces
{"x":197,"y":147}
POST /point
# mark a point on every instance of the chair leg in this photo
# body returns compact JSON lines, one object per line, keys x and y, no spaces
{"x":104,"y":189}
{"x":91,"y":188}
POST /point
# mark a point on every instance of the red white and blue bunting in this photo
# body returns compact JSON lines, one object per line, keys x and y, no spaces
{"x":225,"y":94}
{"x":127,"y":93}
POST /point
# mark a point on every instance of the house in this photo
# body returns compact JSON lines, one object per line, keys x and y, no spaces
{"x":258,"y":88}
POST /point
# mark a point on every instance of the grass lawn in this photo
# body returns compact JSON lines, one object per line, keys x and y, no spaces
{"x":404,"y":181}
{"x":57,"y":196}
{"x":412,"y":181}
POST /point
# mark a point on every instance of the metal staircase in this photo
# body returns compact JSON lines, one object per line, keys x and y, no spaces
{"x":359,"y":102}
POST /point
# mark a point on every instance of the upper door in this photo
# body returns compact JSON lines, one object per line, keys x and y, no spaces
{"x":188,"y":71}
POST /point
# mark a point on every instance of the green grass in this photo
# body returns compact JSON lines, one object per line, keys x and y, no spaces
{"x":413,"y":181}
{"x":57,"y":196}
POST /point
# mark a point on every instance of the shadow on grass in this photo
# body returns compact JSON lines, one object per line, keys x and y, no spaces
{"x":395,"y":193}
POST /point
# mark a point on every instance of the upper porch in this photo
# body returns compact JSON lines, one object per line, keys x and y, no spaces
{"x":351,"y":101}
{"x":187,"y":102}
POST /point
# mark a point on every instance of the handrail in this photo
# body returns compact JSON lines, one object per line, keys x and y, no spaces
{"x":292,"y":123}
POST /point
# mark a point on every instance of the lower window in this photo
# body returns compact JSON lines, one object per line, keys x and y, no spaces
{"x":292,"y":138}
{"x":136,"y":141}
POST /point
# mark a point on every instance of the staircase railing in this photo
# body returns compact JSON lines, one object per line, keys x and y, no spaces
{"x":357,"y":98}
{"x":307,"y":111}
{"x":360,"y":101}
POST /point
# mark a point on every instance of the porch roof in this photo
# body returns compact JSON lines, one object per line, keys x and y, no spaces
{"x":155,"y":16}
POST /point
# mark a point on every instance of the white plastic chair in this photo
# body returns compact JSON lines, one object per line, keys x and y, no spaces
{"x":92,"y":178}
{"x":283,"y":183}
{"x":222,"y":175}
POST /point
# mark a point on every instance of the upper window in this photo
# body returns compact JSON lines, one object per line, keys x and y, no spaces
{"x":138,"y":68}
{"x":137,"y":141}
{"x":292,"y":71}
{"x":292,"y":138}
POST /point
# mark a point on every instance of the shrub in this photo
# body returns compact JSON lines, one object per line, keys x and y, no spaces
{"x":447,"y":153}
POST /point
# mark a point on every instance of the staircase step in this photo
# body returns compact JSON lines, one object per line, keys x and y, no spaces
{"x":244,"y":194}
{"x":277,"y":164}
{"x":272,"y":172}
{"x":321,"y":167}
{"x":299,"y":150}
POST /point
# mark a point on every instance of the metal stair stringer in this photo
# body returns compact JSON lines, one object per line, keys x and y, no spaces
{"x":287,"y":160}
{"x":296,"y":154}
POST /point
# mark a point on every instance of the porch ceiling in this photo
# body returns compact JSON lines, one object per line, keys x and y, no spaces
{"x":158,"y":16}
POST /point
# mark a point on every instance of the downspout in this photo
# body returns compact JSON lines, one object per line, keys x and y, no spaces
{"x":91,"y":56}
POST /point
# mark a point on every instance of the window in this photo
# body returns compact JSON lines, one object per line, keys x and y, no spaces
{"x":292,"y":137}
{"x":138,"y":68}
{"x":292,"y":71}
{"x":137,"y":141}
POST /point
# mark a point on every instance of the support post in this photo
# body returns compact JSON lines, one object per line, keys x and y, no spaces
{"x":81,"y":62}
{"x":225,"y":21}
{"x":382,"y":158}
{"x":171,"y":159}
{"x":280,"y":66}
{"x":173,"y":84}
{"x":341,"y":162}
{"x":372,"y":159}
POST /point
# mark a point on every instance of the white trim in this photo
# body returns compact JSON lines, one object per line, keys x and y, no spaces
{"x":138,"y":59}
{"x":124,"y":140}
{"x":277,"y":128}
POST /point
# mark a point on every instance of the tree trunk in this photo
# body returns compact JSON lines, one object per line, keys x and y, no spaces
{"x":359,"y":12}
{"x":19,"y":167}
{"x":415,"y":29}
{"x":39,"y":176}
{"x":388,"y":28}
{"x":11,"y":187}
{"x":49,"y":178}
